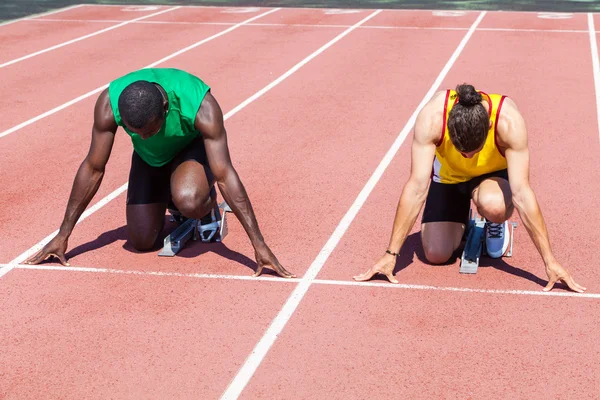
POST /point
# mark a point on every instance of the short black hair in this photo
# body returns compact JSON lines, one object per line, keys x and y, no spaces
{"x":140,"y":102}
{"x":469,"y":121}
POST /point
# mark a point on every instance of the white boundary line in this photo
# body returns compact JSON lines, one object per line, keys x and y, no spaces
{"x":425,"y":28}
{"x":110,"y":28}
{"x":31,"y":251}
{"x":297,"y":280}
{"x":97,"y":90}
{"x":261,"y":349}
{"x":151,"y":273}
{"x":29,"y":17}
{"x":595,"y":64}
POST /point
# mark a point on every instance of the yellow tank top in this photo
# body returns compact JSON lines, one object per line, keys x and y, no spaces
{"x":449,"y":165}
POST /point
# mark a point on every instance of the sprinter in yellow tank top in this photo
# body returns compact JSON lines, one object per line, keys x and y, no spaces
{"x":468,"y":145}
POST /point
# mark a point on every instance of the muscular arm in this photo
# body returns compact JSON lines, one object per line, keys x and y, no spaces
{"x":512,"y":137}
{"x":209,"y":121}
{"x":91,"y":171}
{"x":414,"y":193}
{"x":87,"y":180}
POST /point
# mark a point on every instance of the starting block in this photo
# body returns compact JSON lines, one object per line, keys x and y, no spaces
{"x":475,"y":244}
{"x":214,"y":231}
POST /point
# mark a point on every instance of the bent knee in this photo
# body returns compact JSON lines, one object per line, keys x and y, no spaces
{"x":143,"y":243}
{"x":494,"y":207}
{"x":192,"y":201}
{"x":438,"y":254}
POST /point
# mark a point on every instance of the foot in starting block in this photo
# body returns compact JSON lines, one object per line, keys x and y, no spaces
{"x":213,"y":228}
{"x":475,"y":246}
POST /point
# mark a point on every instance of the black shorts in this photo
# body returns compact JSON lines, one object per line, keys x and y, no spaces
{"x":148,"y":184}
{"x":451,"y":202}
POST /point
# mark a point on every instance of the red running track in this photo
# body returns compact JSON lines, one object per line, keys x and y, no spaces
{"x":304,"y":150}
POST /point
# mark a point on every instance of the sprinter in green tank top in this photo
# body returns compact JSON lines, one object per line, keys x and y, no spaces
{"x":180,"y":151}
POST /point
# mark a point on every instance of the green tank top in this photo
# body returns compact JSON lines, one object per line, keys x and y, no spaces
{"x":185,"y":93}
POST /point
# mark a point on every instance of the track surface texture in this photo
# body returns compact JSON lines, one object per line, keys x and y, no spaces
{"x":319,"y":105}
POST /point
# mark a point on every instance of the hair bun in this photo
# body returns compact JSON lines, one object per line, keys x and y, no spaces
{"x":467,"y":95}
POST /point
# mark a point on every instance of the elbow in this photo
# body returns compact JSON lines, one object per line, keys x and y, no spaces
{"x":521,"y":196}
{"x":94,"y":168}
{"x":417,"y":190}
{"x":223,"y":175}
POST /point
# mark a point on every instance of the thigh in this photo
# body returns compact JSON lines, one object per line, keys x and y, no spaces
{"x":147,"y":197}
{"x":444,"y":218}
{"x":147,"y":184}
{"x":446,"y":203}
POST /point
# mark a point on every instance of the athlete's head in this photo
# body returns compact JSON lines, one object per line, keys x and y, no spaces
{"x":468,"y":122}
{"x":142,"y":108}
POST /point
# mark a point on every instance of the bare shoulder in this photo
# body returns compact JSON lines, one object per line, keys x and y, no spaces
{"x":209,"y":119}
{"x":430,"y":120}
{"x":104,"y":118}
{"x":511,"y":129}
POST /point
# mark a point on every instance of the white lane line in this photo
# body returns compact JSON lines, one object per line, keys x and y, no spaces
{"x":595,"y":65}
{"x":152,"y":273}
{"x":97,"y":90}
{"x":259,"y":352}
{"x":425,"y":28}
{"x":110,"y":28}
{"x":29,"y":17}
{"x":140,"y":22}
{"x":297,"y":280}
{"x":457,"y":289}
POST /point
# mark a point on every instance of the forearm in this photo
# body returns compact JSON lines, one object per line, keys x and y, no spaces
{"x":86,"y":184}
{"x":409,"y":205}
{"x":526,"y":204}
{"x":235,"y":195}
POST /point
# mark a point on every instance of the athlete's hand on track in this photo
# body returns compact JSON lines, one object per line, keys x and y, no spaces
{"x":266,"y":258}
{"x":384,"y":266}
{"x":557,"y":273}
{"x":55,"y":248}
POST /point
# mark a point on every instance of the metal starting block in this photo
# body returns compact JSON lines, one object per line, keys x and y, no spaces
{"x":475,"y":244}
{"x":215,"y":231}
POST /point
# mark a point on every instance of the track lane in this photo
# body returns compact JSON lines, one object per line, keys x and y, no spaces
{"x":264,"y":57}
{"x":557,"y":109}
{"x":99,"y":336}
{"x":370,"y":342}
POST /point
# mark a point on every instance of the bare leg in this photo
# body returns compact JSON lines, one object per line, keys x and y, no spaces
{"x":144,"y":224}
{"x":440,"y":240}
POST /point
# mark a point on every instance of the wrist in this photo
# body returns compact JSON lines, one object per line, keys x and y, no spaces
{"x":392,"y":253}
{"x":64,"y":233}
{"x":259,"y":245}
{"x":549,"y":260}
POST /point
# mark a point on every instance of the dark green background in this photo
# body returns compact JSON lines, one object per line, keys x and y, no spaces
{"x":11,"y":9}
